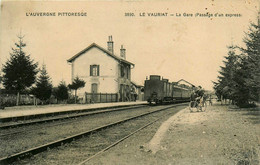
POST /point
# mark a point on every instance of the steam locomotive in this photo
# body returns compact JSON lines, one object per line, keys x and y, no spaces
{"x":158,"y":91}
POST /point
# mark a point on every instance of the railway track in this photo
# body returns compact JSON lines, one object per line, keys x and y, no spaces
{"x":54,"y":114}
{"x":85,"y":161}
{"x":62,"y":141}
{"x":49,"y":132}
{"x":59,"y":118}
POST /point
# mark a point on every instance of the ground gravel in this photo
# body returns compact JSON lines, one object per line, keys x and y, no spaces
{"x":224,"y":134}
{"x":83,"y":148}
{"x":50,"y":132}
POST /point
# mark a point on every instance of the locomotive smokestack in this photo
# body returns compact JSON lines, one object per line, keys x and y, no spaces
{"x":122,"y":52}
{"x":110,"y":44}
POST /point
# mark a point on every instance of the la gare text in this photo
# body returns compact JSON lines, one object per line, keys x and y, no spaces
{"x":166,"y":14}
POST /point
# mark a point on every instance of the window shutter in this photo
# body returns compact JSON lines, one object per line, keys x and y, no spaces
{"x":97,"y":70}
{"x":91,"y":70}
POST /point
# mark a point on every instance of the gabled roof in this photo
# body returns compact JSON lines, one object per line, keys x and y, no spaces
{"x":102,"y":49}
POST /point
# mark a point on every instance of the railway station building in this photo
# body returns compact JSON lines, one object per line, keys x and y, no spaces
{"x":107,"y":75}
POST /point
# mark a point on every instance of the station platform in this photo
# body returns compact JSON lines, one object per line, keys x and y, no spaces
{"x":20,"y":111}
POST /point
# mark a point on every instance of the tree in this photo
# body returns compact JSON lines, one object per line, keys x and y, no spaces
{"x":1,"y":79}
{"x":76,"y":84}
{"x":61,"y":92}
{"x":231,"y":82}
{"x":19,"y":71}
{"x":251,"y":61}
{"x":43,"y":87}
{"x":239,"y":79}
{"x":225,"y":87}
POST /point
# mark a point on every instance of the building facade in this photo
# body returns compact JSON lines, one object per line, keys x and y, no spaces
{"x":103,"y":71}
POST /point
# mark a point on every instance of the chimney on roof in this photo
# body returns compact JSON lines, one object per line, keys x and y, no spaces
{"x":110,"y":44}
{"x":122,"y":52}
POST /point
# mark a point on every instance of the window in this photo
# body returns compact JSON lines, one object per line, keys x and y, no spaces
{"x":94,"y":70}
{"x":122,"y":71}
{"x":128,"y":72}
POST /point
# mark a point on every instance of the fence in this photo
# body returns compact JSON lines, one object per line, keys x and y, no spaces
{"x":100,"y":97}
{"x":8,"y":100}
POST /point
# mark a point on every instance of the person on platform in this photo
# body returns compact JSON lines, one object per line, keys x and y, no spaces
{"x":201,"y":97}
{"x":200,"y":92}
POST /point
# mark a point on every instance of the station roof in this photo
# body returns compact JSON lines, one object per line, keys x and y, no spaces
{"x":102,"y":49}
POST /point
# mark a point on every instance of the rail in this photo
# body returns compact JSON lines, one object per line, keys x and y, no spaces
{"x":68,"y":117}
{"x":36,"y":150}
{"x":32,"y":116}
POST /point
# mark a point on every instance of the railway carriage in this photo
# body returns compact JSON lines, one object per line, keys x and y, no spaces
{"x":157,"y":90}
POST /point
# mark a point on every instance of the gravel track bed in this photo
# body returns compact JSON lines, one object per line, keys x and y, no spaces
{"x":53,"y":116}
{"x":48,"y":133}
{"x":39,"y":125}
{"x":77,"y":151}
{"x":219,"y":136}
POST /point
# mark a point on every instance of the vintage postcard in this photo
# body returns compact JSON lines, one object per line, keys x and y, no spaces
{"x":115,"y":47}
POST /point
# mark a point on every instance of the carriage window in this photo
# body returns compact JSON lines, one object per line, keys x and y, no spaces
{"x":94,"y":70}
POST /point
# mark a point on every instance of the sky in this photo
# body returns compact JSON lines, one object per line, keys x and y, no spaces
{"x":175,"y":46}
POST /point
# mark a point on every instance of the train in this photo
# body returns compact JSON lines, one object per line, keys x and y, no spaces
{"x":158,"y":90}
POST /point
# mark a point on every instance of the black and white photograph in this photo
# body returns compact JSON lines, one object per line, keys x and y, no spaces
{"x":120,"y":82}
